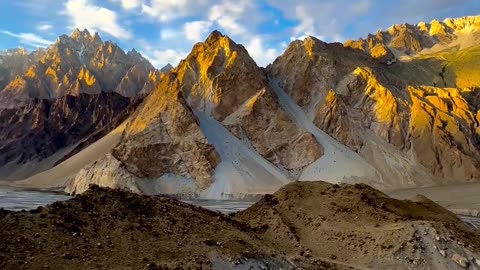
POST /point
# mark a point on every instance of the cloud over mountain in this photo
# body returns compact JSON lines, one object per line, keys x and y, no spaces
{"x":164,"y":30}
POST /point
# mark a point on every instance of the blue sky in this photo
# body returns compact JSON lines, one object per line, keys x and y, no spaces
{"x":165,"y":30}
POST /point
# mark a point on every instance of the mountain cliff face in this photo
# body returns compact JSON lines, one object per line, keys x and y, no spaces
{"x":76,"y":64}
{"x":161,"y":145}
{"x":16,"y":62}
{"x":407,"y":39}
{"x":413,"y":134}
{"x":44,"y":128}
{"x":56,"y":102}
{"x":294,"y":114}
{"x":398,"y":109}
{"x":220,"y":82}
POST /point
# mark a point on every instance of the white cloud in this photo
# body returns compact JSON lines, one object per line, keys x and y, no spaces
{"x":360,"y":7}
{"x":168,"y":34}
{"x":262,"y":56}
{"x":168,"y":10}
{"x":320,"y":18}
{"x":307,"y":22}
{"x":160,"y":58}
{"x":29,"y":39}
{"x":44,"y":27}
{"x":331,"y":20}
{"x":338,"y":38}
{"x":228,"y":13}
{"x":196,"y":30}
{"x":183,"y":22}
{"x":83,"y":14}
{"x":130,"y":4}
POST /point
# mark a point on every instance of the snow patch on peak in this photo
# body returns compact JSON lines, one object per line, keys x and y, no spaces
{"x":81,"y":54}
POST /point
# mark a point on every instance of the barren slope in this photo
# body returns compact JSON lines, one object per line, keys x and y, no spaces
{"x":358,"y":225}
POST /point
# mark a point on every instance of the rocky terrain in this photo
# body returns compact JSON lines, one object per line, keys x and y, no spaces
{"x":15,"y":62}
{"x":56,"y":102}
{"x":396,"y":110}
{"x":305,"y":225}
{"x":398,"y":133}
{"x":80,"y":63}
{"x":112,"y":229}
{"x":360,"y":227}
{"x":67,"y":122}
{"x":406,"y":39}
{"x":171,"y":126}
{"x":415,"y":128}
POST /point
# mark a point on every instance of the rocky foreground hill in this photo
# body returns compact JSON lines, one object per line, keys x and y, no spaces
{"x":398,"y":109}
{"x":305,"y":225}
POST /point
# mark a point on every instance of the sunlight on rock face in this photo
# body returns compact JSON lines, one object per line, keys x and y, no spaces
{"x":88,"y":78}
{"x":402,"y":103}
{"x":52,"y":74}
{"x":31,"y":73}
{"x":385,"y":102}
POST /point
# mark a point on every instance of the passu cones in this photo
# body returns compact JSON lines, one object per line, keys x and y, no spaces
{"x":397,"y":109}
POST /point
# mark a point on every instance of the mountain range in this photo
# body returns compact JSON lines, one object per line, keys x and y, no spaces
{"x":397,"y":109}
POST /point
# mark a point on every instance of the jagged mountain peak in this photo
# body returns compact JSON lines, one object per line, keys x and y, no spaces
{"x":407,"y":39}
{"x":205,"y":71}
{"x":14,"y":62}
{"x":463,"y":22}
{"x":310,"y":38}
{"x":63,"y":69}
{"x":133,"y":52}
{"x":166,"y":68}
{"x":215,"y":100}
{"x":311,"y":44}
{"x":78,"y":34}
{"x":96,"y":38}
{"x":456,"y":24}
{"x":217,"y":53}
{"x":218,"y":40}
{"x":78,"y":39}
{"x":214,"y":36}
{"x":15,"y":51}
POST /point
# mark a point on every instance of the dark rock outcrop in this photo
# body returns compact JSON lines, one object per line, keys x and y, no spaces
{"x":43,"y":127}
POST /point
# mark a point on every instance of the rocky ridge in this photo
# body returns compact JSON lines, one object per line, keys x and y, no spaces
{"x":220,"y":81}
{"x":360,"y":227}
{"x":112,"y":229}
{"x":57,"y":101}
{"x":37,"y":133}
{"x":218,"y":126}
{"x":15,"y":62}
{"x":413,"y":134}
{"x":80,"y":63}
{"x":407,"y":39}
{"x":305,"y":225}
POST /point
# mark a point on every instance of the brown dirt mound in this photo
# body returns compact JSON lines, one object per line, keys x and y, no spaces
{"x":112,"y":229}
{"x":358,"y":226}
{"x":309,"y":225}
